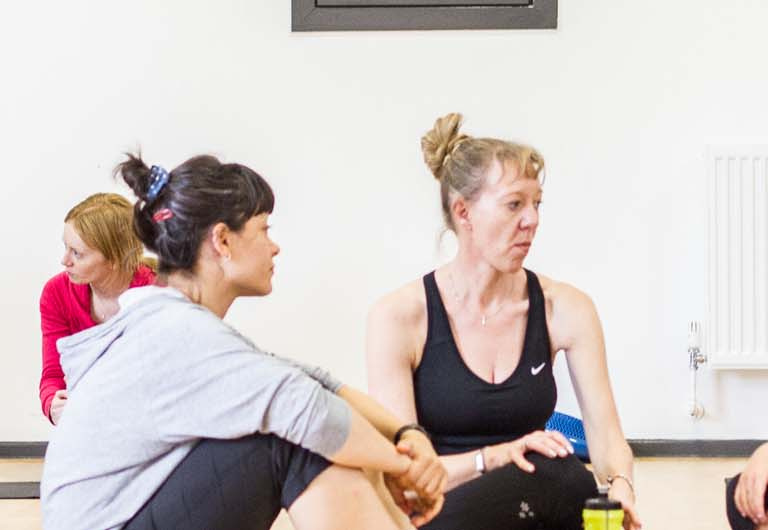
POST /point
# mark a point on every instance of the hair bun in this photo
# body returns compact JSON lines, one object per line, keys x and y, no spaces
{"x":440,"y":142}
{"x":135,"y":173}
{"x":137,"y":176}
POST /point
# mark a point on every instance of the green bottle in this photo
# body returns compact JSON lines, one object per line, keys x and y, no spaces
{"x":602,"y":513}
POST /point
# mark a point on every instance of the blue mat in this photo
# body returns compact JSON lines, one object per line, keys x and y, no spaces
{"x":573,"y":429}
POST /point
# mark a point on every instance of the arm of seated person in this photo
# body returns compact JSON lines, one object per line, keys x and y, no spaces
{"x":750,"y":492}
{"x":217,"y":384}
{"x":54,"y":326}
{"x":426,"y":475}
{"x":575,"y":328}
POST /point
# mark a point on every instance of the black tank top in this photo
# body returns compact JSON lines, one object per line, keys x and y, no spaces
{"x":463,"y":412}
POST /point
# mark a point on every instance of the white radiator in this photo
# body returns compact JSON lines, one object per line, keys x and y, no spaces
{"x":737,"y":330}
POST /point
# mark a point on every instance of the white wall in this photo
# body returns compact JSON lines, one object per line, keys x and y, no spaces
{"x":621,"y":99}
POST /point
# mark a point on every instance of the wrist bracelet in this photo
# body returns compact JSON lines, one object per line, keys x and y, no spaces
{"x":409,"y":427}
{"x":625,"y":478}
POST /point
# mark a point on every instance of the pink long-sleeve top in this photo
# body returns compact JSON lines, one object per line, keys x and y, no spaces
{"x":65,"y":309}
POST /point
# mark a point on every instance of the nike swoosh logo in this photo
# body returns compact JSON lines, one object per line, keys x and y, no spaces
{"x":535,"y":370}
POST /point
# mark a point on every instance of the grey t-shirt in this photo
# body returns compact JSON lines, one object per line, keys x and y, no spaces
{"x":145,"y":386}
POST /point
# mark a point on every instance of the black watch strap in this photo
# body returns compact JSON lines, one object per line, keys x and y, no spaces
{"x":409,"y":427}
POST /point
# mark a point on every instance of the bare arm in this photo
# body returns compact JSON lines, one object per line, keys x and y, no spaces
{"x":462,"y":467}
{"x":426,"y":474}
{"x":390,"y":360}
{"x":575,"y":328}
{"x":391,"y":356}
{"x":382,"y":419}
{"x":365,"y":447}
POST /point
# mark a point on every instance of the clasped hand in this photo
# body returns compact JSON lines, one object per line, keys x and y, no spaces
{"x":549,"y":443}
{"x":750,"y":492}
{"x":419,"y":491}
{"x":57,"y":405}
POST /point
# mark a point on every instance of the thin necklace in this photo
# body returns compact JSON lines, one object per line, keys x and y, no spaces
{"x":104,"y":313}
{"x":483,"y":317}
{"x":99,"y":314}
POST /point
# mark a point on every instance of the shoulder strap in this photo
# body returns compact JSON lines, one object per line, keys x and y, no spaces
{"x":537,"y":316}
{"x":438,"y":326}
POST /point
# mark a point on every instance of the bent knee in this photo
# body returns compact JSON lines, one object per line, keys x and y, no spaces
{"x":341,"y":497}
{"x":343,"y":480}
{"x":568,"y":475}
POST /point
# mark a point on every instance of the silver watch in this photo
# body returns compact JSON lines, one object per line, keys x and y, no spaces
{"x":480,"y":462}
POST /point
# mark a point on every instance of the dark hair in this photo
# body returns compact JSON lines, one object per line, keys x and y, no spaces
{"x":200,"y":193}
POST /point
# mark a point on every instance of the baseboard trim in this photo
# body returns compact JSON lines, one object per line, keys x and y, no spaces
{"x":19,"y":490}
{"x":22,"y":449}
{"x":700,"y":448}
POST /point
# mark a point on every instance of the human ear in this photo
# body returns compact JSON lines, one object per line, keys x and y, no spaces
{"x":220,"y":240}
{"x":460,"y":211}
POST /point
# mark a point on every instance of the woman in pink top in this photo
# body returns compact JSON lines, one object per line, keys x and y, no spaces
{"x":102,"y":258}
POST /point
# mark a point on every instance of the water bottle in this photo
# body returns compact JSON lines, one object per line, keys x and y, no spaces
{"x":602,"y":513}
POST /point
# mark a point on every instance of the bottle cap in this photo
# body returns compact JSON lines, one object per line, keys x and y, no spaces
{"x":602,"y":502}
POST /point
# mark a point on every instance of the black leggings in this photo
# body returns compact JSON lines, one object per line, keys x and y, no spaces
{"x":231,"y":485}
{"x":551,"y":498}
{"x":734,"y":517}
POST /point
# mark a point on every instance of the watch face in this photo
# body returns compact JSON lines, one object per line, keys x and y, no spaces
{"x":480,"y":462}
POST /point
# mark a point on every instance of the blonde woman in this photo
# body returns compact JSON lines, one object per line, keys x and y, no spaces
{"x":102,"y":258}
{"x":467,"y":351}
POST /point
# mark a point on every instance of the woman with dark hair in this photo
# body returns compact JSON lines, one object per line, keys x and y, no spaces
{"x":467,"y":351}
{"x":204,"y":429}
{"x":102,"y":258}
{"x":746,"y":494}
